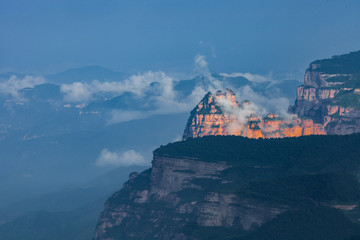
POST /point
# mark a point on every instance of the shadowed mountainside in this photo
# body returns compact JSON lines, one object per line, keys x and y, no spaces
{"x":229,"y":187}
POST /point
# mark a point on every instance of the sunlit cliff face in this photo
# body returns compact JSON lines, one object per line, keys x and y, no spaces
{"x":221,"y":114}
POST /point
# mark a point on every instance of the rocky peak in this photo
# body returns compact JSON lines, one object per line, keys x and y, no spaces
{"x":213,"y":117}
{"x":327,"y":103}
{"x":208,"y":117}
{"x":228,"y":96}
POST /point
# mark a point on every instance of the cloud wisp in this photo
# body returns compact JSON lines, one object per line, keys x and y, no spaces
{"x":119,"y":116}
{"x":266,"y":104}
{"x":167,"y":100}
{"x":117,"y":159}
{"x":256,"y":78}
{"x":14,"y":84}
{"x":201,"y":69}
{"x":241,"y":113}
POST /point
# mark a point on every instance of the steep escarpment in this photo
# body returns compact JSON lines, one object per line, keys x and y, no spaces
{"x":331,"y":94}
{"x":228,"y":187}
{"x":327,"y":103}
{"x":221,"y":114}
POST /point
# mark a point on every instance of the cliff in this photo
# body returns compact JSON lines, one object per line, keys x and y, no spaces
{"x":331,"y":94}
{"x":238,"y":187}
{"x":327,"y":103}
{"x":235,"y":187}
{"x":221,"y":114}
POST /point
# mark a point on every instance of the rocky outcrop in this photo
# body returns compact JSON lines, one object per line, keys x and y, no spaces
{"x":158,"y":202}
{"x":327,"y":103}
{"x":232,"y":184}
{"x":208,"y":118}
{"x":221,"y":114}
{"x":330,"y":94}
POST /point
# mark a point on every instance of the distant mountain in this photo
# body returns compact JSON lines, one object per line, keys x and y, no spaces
{"x":187,"y":86}
{"x":283,"y":88}
{"x":87,"y":74}
{"x":48,"y":144}
{"x":77,"y":224}
{"x":67,"y":149}
{"x":42,"y":92}
{"x":7,"y":75}
{"x":71,"y":212}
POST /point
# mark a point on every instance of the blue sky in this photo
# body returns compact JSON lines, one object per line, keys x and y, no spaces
{"x":43,"y":36}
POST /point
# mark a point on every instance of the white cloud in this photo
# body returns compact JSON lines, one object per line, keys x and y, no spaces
{"x":157,"y":88}
{"x":127,"y":158}
{"x":266,"y":104}
{"x":137,"y":84}
{"x":251,"y":77}
{"x":165,"y":100}
{"x":76,"y":92}
{"x":14,"y":84}
{"x":201,"y":66}
{"x":258,"y":105}
{"x":178,"y":138}
{"x":119,"y":116}
{"x":241,"y":113}
{"x":201,"y":69}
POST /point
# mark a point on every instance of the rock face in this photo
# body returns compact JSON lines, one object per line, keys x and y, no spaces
{"x":330,"y":94}
{"x":231,"y":184}
{"x":327,"y":103}
{"x":221,"y":114}
{"x":170,"y":185}
{"x":158,"y":202}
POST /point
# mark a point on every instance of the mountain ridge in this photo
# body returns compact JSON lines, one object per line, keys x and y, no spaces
{"x":237,"y":183}
{"x":214,"y":186}
{"x":221,"y":114}
{"x":327,"y":103}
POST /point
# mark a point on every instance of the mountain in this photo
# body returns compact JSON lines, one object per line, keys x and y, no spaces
{"x":77,"y":224}
{"x":228,"y":187}
{"x":42,"y":92}
{"x":5,"y":76}
{"x":221,"y":114}
{"x":331,"y":94}
{"x":283,"y":88}
{"x":70,"y":213}
{"x":87,"y":74}
{"x":49,"y":144}
{"x":75,"y":133}
{"x":327,"y":103}
{"x":187,"y":86}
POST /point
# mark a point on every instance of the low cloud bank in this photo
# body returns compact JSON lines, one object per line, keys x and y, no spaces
{"x":137,"y":84}
{"x":156,"y":91}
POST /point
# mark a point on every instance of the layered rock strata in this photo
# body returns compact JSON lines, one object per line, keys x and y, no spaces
{"x":327,"y":103}
{"x":158,"y":202}
{"x":221,"y":114}
{"x":231,"y":187}
{"x":330,"y":94}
